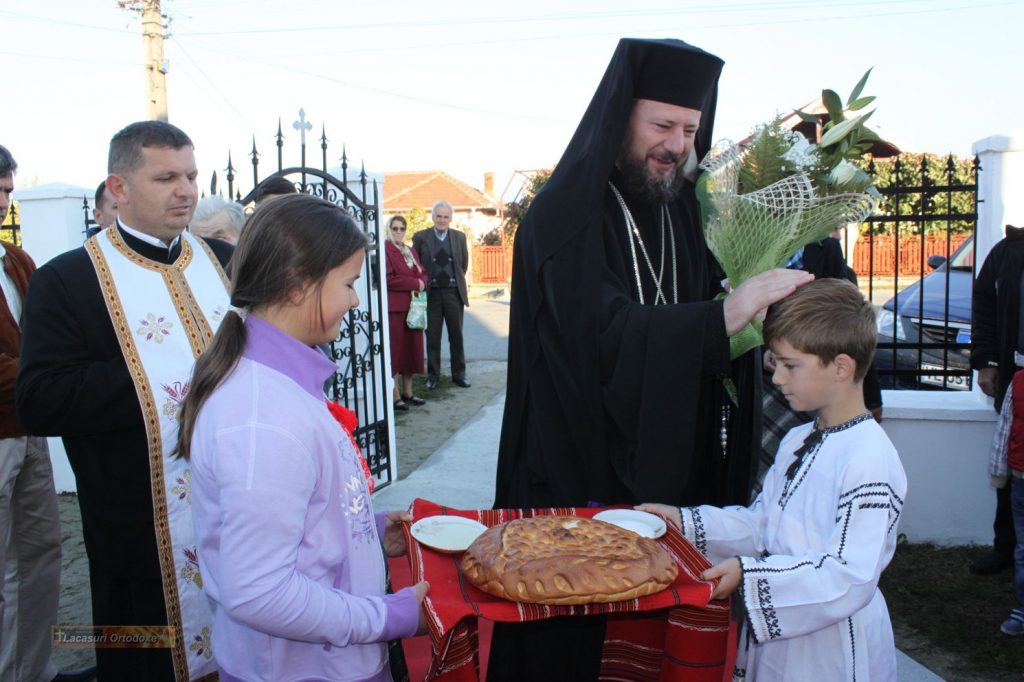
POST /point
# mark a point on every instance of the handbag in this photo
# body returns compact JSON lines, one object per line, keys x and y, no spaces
{"x":416,"y":318}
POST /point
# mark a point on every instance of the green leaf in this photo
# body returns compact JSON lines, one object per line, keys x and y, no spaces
{"x":833,"y":104}
{"x":860,"y":103}
{"x":807,"y":118}
{"x":763,"y":162}
{"x":838,"y":132}
{"x":869,"y":134}
{"x":857,"y":89}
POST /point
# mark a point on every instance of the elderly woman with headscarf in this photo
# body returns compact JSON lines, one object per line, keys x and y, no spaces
{"x":405,"y":275}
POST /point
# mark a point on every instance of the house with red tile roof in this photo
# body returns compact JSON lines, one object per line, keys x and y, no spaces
{"x":474,"y":211}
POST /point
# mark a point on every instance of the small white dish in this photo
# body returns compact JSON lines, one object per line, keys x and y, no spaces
{"x":447,"y":533}
{"x":640,"y":522}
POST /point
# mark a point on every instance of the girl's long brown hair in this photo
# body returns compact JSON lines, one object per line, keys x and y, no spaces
{"x":286,"y":245}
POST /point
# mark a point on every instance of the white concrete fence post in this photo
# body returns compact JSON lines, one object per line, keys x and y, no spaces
{"x":1000,"y":188}
{"x":52,"y":222}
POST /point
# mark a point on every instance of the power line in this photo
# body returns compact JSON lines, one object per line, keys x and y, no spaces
{"x":572,"y":16}
{"x":399,"y":95}
{"x":617,"y":32}
{"x":219,"y":92}
{"x":67,"y":59}
{"x":18,"y":16}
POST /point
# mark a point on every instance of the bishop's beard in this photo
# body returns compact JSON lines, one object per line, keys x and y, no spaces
{"x":640,"y":182}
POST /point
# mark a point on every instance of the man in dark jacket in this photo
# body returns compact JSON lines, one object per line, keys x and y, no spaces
{"x":111,"y":332}
{"x":29,"y":522}
{"x":996,"y":332}
{"x":446,"y":261}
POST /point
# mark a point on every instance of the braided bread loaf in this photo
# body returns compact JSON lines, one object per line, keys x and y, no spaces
{"x":566,"y":560}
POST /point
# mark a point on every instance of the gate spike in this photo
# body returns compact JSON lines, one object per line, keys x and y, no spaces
{"x":280,"y":144}
{"x":231,"y":175}
{"x":323,"y":147}
{"x":255,"y":155}
{"x":344,"y":165}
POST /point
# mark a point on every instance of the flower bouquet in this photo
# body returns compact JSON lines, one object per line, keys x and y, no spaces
{"x":765,"y":199}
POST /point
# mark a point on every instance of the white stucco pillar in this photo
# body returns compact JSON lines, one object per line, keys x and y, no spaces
{"x":52,"y":219}
{"x":52,"y":222}
{"x":1000,"y":188}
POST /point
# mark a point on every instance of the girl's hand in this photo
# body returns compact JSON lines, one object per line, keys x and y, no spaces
{"x":394,"y":538}
{"x":730,"y":573}
{"x":421,"y":588}
{"x":669,"y":512}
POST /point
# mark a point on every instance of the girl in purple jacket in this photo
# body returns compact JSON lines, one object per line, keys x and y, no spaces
{"x":290,"y":551}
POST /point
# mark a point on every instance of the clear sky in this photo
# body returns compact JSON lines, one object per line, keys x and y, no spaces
{"x":470,"y":87}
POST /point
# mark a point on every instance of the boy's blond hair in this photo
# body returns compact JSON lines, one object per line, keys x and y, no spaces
{"x":827,"y":317}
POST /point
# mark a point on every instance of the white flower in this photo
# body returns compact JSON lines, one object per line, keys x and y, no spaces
{"x":802,"y":153}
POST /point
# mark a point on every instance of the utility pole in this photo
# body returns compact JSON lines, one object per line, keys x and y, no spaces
{"x":153,"y":28}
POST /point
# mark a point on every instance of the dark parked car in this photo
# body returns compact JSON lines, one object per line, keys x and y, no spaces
{"x":925,"y":344}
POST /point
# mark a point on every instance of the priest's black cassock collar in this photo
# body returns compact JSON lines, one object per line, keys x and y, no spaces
{"x":666,"y":70}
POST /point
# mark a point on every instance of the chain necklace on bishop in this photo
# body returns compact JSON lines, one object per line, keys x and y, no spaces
{"x":633,"y":235}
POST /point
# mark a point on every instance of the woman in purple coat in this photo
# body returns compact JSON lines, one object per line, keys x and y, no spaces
{"x":405,"y":275}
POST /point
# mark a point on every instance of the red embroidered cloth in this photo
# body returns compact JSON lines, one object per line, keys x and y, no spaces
{"x":675,"y":634}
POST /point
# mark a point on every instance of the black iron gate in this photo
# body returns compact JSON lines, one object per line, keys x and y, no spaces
{"x":924,"y":300}
{"x":10,"y":229}
{"x":360,"y":351}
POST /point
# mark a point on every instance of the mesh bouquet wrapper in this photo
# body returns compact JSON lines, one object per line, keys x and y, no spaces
{"x":764,"y":199}
{"x":675,"y":634}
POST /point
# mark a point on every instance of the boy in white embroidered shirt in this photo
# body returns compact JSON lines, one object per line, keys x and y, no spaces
{"x":806,"y":556}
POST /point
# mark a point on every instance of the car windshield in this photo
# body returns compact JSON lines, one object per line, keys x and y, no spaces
{"x":963,"y":259}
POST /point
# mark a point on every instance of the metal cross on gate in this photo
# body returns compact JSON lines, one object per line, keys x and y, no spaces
{"x":302,"y":125}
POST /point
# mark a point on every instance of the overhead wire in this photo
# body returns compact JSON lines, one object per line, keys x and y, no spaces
{"x":491,"y":40}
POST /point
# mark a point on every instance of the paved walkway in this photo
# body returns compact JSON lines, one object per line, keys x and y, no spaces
{"x":461,"y":474}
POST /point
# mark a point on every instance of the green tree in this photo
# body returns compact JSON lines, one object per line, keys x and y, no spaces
{"x":418,"y":219}
{"x":516,"y":209}
{"x":944,"y":193}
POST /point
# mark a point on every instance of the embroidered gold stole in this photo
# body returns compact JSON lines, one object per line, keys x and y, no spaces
{"x":164,"y":316}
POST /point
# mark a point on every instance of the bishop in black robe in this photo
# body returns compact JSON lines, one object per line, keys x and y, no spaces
{"x":611,"y":400}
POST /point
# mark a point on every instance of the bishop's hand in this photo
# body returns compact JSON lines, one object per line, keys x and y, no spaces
{"x":757,"y":293}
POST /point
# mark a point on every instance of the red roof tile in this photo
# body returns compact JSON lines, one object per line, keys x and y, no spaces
{"x":406,"y":190}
